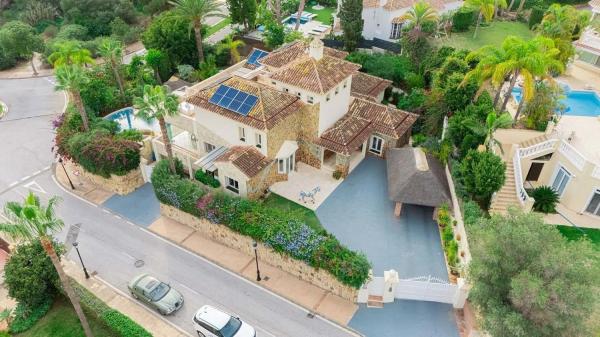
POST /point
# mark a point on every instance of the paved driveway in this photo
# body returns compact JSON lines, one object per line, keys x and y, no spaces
{"x":361,"y":216}
{"x":139,"y":206}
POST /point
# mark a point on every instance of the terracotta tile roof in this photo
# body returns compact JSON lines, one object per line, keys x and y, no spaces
{"x":386,"y":120}
{"x":365,"y":85}
{"x":246,"y":158}
{"x":316,"y":76}
{"x":346,"y":134}
{"x":363,"y":118}
{"x":272,"y":107}
{"x":370,"y":3}
{"x":394,"y":5}
{"x":291,"y":52}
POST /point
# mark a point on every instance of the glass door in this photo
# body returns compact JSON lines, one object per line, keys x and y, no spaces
{"x":594,"y":205}
{"x":561,"y":180}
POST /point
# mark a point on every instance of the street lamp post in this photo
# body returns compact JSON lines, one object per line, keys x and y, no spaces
{"x":255,"y":247}
{"x":67,"y":174}
{"x":75,"y":244}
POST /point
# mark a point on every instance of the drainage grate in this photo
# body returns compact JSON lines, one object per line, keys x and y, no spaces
{"x":138,"y":263}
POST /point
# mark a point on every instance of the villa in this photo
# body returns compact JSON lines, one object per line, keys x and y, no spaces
{"x":299,"y":110}
{"x":382,"y":18}
{"x":587,"y":61}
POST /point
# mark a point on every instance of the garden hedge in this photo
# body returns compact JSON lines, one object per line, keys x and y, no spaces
{"x":119,"y":324}
{"x":463,"y":19}
{"x":284,"y":232}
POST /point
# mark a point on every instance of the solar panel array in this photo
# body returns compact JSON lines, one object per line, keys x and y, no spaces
{"x":233,"y":99}
{"x":256,"y":55}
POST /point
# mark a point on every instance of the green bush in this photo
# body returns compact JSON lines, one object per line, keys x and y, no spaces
{"x":536,"y":16}
{"x":206,"y":179}
{"x":545,"y":198}
{"x":25,"y":317}
{"x":471,"y":213}
{"x":4,"y":334}
{"x":337,"y":174}
{"x":418,"y":139}
{"x":451,"y":250}
{"x":463,"y":19}
{"x":122,"y":325}
{"x":283,"y":231}
{"x":72,"y":32}
{"x":414,"y":81}
{"x":8,"y":59}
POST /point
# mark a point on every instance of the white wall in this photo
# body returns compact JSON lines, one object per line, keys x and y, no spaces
{"x":226,"y":130}
{"x":229,"y":170}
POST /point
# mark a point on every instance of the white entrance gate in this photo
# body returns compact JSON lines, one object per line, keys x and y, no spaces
{"x":147,"y":171}
{"x":424,"y":288}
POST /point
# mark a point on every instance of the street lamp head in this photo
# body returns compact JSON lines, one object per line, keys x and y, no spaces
{"x":254,"y":245}
{"x":60,"y":160}
{"x":75,"y":244}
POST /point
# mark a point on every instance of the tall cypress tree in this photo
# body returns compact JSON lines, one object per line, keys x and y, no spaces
{"x":352,"y":23}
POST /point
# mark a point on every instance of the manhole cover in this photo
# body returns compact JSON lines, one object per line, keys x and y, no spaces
{"x":139,"y":263}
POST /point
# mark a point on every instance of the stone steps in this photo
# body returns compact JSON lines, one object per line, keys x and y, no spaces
{"x":533,"y":141}
{"x":375,"y":301}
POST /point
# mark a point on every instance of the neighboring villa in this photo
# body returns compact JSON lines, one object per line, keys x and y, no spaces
{"x":588,"y":45}
{"x":382,"y":17}
{"x":252,"y":124}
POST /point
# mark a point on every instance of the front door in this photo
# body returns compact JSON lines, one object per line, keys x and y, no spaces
{"x":376,"y":145}
{"x":534,"y":171}
{"x":286,"y":165}
{"x":561,"y":180}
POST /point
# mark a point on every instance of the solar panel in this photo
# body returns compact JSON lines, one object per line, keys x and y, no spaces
{"x":233,"y":99}
{"x":256,"y":55}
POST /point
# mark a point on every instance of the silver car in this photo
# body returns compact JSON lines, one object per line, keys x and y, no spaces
{"x":155,"y":293}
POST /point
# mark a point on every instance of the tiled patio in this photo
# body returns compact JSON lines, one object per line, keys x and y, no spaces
{"x":306,"y":179}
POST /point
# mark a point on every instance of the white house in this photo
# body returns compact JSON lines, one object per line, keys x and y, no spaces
{"x":381,"y":18}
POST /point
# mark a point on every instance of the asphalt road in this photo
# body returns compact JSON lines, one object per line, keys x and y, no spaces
{"x":110,"y":246}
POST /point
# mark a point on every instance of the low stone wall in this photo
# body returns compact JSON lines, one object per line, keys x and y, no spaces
{"x":117,"y":184}
{"x":223,"y":235}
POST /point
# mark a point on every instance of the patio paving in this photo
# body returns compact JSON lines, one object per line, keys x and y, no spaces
{"x":361,"y":216}
{"x":139,"y":206}
{"x":405,"y":318}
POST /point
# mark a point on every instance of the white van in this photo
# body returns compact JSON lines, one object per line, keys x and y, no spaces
{"x":212,"y":322}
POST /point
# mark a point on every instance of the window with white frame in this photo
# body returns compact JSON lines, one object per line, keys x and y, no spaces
{"x":376,"y":145}
{"x":232,"y":185}
{"x":258,"y":140}
{"x":242,"y":133}
{"x":594,"y":204}
{"x":286,"y":165}
{"x":310,"y":99}
{"x":208,"y":147}
{"x":561,"y":179}
{"x":396,"y":29}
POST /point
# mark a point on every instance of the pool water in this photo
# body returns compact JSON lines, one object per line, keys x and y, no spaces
{"x":128,"y":120}
{"x":577,"y":103}
{"x":291,"y":20}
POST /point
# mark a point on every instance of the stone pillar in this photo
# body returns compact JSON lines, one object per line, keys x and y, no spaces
{"x":460,"y":297}
{"x":391,"y":280}
{"x":398,"y":209}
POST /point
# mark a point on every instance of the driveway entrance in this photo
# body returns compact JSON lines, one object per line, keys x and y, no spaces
{"x":361,"y":216}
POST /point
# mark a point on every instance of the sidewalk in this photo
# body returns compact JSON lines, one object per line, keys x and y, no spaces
{"x":300,"y":292}
{"x":83,"y":187}
{"x":23,"y":70}
{"x":155,"y":324}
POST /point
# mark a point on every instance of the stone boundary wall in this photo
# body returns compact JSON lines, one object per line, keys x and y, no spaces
{"x":117,"y":184}
{"x":223,"y":235}
{"x":459,"y":229}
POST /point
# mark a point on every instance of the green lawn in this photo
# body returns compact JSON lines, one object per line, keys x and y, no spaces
{"x":217,"y":27}
{"x":61,"y":321}
{"x":575,"y":233}
{"x":275,"y":200}
{"x":323,"y":15}
{"x":492,"y":34}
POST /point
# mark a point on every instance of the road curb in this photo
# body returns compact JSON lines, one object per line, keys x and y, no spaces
{"x":3,"y":110}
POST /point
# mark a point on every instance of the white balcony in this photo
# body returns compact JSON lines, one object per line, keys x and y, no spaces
{"x":589,"y":41}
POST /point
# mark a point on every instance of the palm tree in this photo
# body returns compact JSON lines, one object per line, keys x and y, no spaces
{"x":563,"y":24}
{"x":71,"y":79}
{"x":197,"y":11}
{"x":31,"y":221}
{"x":70,"y":52}
{"x":112,"y":53}
{"x":156,"y":103}
{"x":488,"y":57}
{"x":486,"y":9}
{"x":232,"y":46}
{"x":299,"y":14}
{"x":418,"y":15}
{"x":493,"y":122}
{"x":528,"y":60}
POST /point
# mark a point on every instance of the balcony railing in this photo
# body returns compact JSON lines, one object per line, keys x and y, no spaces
{"x":538,"y":148}
{"x":519,"y":187}
{"x":574,"y":156}
{"x":590,"y":38}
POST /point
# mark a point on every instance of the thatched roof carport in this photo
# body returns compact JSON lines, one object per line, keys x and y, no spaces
{"x":415,"y":177}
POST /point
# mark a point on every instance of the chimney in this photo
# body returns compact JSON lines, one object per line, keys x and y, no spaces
{"x":315,"y":49}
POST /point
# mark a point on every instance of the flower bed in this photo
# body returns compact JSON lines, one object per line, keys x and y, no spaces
{"x":281,"y":231}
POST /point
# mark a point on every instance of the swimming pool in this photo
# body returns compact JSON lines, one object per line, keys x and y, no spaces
{"x":577,"y":102}
{"x":290,"y":20}
{"x":128,"y":120}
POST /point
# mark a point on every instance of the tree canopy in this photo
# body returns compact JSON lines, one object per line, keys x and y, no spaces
{"x":351,"y":21}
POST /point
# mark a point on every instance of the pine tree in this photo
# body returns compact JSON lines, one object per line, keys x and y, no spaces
{"x":351,"y":21}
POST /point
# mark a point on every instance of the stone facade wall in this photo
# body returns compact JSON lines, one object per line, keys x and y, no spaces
{"x":223,"y":235}
{"x":310,"y":154}
{"x":117,"y":184}
{"x":257,"y":185}
{"x":288,"y":129}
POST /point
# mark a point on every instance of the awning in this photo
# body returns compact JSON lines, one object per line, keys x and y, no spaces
{"x":207,"y":163}
{"x":287,"y":149}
